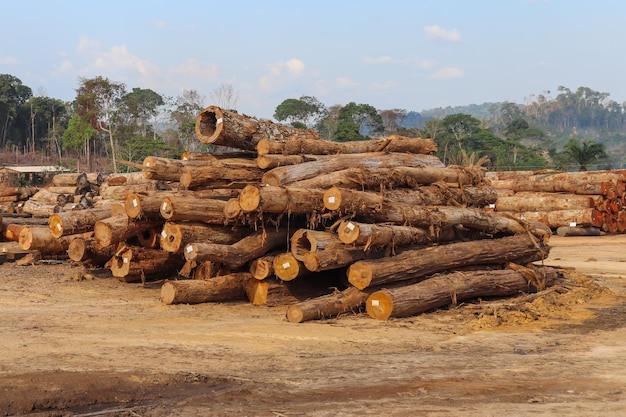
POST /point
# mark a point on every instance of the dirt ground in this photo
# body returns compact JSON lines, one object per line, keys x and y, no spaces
{"x":90,"y":347}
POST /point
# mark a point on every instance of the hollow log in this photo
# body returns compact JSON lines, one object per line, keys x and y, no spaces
{"x":287,"y":174}
{"x":271,"y":199}
{"x":237,"y":254}
{"x":73,"y":179}
{"x":88,"y":251}
{"x":221,"y":288}
{"x":207,"y":210}
{"x":446,"y":289}
{"x":77,"y":221}
{"x":135,"y":264}
{"x":331,"y":305}
{"x":304,"y":241}
{"x":531,"y":201}
{"x":116,"y":229}
{"x":393,"y":143}
{"x":149,"y":238}
{"x":287,"y":267}
{"x":564,"y":231}
{"x":222,"y":127}
{"x":558,"y":218}
{"x":40,"y":238}
{"x":176,"y":235}
{"x":416,"y":263}
{"x":273,"y":292}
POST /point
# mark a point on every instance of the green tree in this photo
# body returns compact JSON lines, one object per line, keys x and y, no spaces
{"x":357,"y":119}
{"x":584,"y":153}
{"x":306,"y":111}
{"x":186,"y":108}
{"x":13,"y":94}
{"x":142,"y":105}
{"x":78,"y":134}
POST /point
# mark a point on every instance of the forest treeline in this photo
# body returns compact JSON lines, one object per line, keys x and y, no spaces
{"x":106,"y":123}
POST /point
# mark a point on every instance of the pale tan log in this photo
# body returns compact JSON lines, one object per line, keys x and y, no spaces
{"x":240,"y":172}
{"x":565,"y":231}
{"x":551,"y":186}
{"x":449,"y":289}
{"x":529,"y":201}
{"x":304,"y":241}
{"x":69,"y":190}
{"x":22,"y":193}
{"x":377,"y":178}
{"x":134,"y":264}
{"x":239,"y":253}
{"x":36,"y":208}
{"x":517,"y":175}
{"x":274,"y":161}
{"x":393,"y":143}
{"x":273,"y":292}
{"x":558,"y":218}
{"x":218,"y":289}
{"x":147,"y":205}
{"x":271,"y":199}
{"x":290,"y":173}
{"x":287,"y":267}
{"x":88,"y":251}
{"x":77,"y":221}
{"x":207,"y":210}
{"x":45,"y":196}
{"x":416,"y":263}
{"x":120,"y":192}
{"x":116,"y":229}
{"x":39,"y":238}
{"x":12,"y":231}
{"x":331,"y":305}
{"x":166,"y":169}
{"x":222,"y":127}
{"x":129,"y":178}
{"x":176,"y":235}
{"x":75,"y":179}
{"x":206,"y":156}
{"x":263,"y":267}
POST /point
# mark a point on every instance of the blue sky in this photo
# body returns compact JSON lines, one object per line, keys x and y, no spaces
{"x":405,"y":54}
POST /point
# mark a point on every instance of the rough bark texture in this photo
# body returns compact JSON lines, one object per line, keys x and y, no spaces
{"x":120,"y":228}
{"x":176,"y":235}
{"x":88,"y":251}
{"x":273,"y":292}
{"x":339,"y":302}
{"x":217,"y":289}
{"x":271,"y":199}
{"x":78,"y":221}
{"x":558,"y":218}
{"x":134,"y":264}
{"x":40,"y":238}
{"x":304,"y":241}
{"x":207,"y":210}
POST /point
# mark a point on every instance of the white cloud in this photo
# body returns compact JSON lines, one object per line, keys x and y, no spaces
{"x":344,"y":82}
{"x":86,"y":45}
{"x":447,"y":73}
{"x":295,"y":66}
{"x":196,"y":69}
{"x":119,"y":58}
{"x":379,"y":60}
{"x":437,"y":33}
{"x":388,"y":85}
{"x":427,"y":63}
{"x":159,"y":24}
{"x":65,"y":67}
{"x":281,"y":74}
{"x":9,"y":60}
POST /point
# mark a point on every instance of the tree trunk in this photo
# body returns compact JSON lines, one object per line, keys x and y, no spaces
{"x":446,"y":289}
{"x":338,"y":257}
{"x":263,"y":267}
{"x":206,"y":156}
{"x":221,"y":288}
{"x":574,"y":186}
{"x":130,"y":178}
{"x":275,"y":161}
{"x":417,"y":263}
{"x":339,"y":302}
{"x":192,"y":177}
{"x":166,"y":169}
{"x":120,"y":192}
{"x":134,"y":264}
{"x":73,"y":179}
{"x":36,"y":208}
{"x":176,"y":235}
{"x":304,"y":241}
{"x":207,"y":210}
{"x":237,"y":254}
{"x":393,"y":143}
{"x":537,"y":201}
{"x":290,"y":173}
{"x":120,"y":228}
{"x":368,"y":235}
{"x":271,"y":199}
{"x":78,"y":221}
{"x":287,"y":267}
{"x":564,"y":231}
{"x":558,"y":218}
{"x":222,"y":127}
{"x":88,"y":251}
{"x":39,"y":238}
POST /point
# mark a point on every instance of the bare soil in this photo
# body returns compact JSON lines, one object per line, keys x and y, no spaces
{"x":77,"y":342}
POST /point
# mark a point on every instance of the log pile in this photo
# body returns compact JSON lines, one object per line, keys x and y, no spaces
{"x":570,"y":203}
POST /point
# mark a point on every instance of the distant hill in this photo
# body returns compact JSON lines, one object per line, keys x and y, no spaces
{"x":479,"y":111}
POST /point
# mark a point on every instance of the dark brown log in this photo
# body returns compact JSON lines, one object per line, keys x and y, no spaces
{"x":116,"y":229}
{"x":409,"y":177}
{"x":176,"y":235}
{"x":446,"y":289}
{"x":88,"y":251}
{"x":558,"y":218}
{"x":393,"y":143}
{"x":77,"y":221}
{"x":304,"y":241}
{"x":416,"y":263}
{"x":287,"y":267}
{"x":564,"y":231}
{"x":537,"y":201}
{"x":207,"y":210}
{"x":290,"y":173}
{"x":222,"y":127}
{"x":237,"y":254}
{"x":271,"y":199}
{"x":134,"y":264}
{"x":339,"y":302}
{"x":40,"y":238}
{"x":221,"y":288}
{"x":273,"y":292}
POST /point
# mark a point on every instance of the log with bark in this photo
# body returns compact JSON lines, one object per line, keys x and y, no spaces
{"x":120,"y":192}
{"x":36,"y":208}
{"x":120,"y":228}
{"x":558,"y":218}
{"x":271,"y":199}
{"x":573,"y":186}
{"x":239,"y":253}
{"x":77,"y":221}
{"x":176,"y":235}
{"x":538,"y":201}
{"x":129,"y":178}
{"x":288,"y":174}
{"x":267,"y":162}
{"x":166,"y":169}
{"x":263,"y":267}
{"x":368,"y":235}
{"x":451,"y":288}
{"x":74,"y":179}
{"x":416,"y":263}
{"x":219,"y":174}
{"x":138,"y":264}
{"x":335,"y":257}
{"x":393,"y":143}
{"x":218,"y":289}
{"x":181,"y":207}
{"x":214,"y":156}
{"x":564,"y":231}
{"x":218,"y":126}
{"x":287,"y":268}
{"x":88,"y":251}
{"x":305,"y":241}
{"x":273,"y":292}
{"x":331,"y":305}
{"x":40,"y":238}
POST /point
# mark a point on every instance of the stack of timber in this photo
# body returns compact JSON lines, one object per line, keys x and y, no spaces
{"x":570,"y":203}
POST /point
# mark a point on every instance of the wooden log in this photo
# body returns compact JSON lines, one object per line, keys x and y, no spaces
{"x":135,"y":264}
{"x":558,"y":218}
{"x":287,"y":268}
{"x":207,"y":210}
{"x":116,"y":229}
{"x":222,"y":127}
{"x":537,"y":201}
{"x":338,"y":257}
{"x":36,"y":208}
{"x":218,"y":289}
{"x":376,"y":235}
{"x":176,"y":235}
{"x":149,"y":238}
{"x":67,"y":189}
{"x":273,"y":292}
{"x":331,"y":305}
{"x":271,"y":199}
{"x":393,"y":143}
{"x":564,"y":231}
{"x":210,"y":156}
{"x":287,"y":174}
{"x":209,"y":270}
{"x":11,"y":231}
{"x":446,"y":289}
{"x":45,"y":196}
{"x":304,"y":241}
{"x":239,"y":253}
{"x":402,"y":176}
{"x":40,"y":238}
{"x":77,"y":221}
{"x":263,"y":267}
{"x":120,"y":192}
{"x":88,"y":251}
{"x":74,"y":179}
{"x":561,"y":186}
{"x":273,"y":161}
{"x":166,"y":169}
{"x":144,"y":205}
{"x":194,"y":176}
{"x":416,"y":263}
{"x":129,"y":178}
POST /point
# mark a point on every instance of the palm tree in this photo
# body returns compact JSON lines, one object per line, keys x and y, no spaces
{"x":585,"y":152}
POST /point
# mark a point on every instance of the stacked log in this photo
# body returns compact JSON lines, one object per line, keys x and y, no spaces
{"x":571,"y":203}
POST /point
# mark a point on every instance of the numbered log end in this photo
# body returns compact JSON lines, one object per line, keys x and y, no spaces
{"x":295,"y":314}
{"x":167,"y":208}
{"x":168,"y":293}
{"x":379,"y":305}
{"x":170,"y":237}
{"x":56,"y":225}
{"x":209,"y":124}
{"x":348,"y":232}
{"x":359,"y":275}
{"x":132,"y":205}
{"x":286,"y":267}
{"x":232,"y":209}
{"x":190,"y":252}
{"x":332,"y":199}
{"x":250,"y":198}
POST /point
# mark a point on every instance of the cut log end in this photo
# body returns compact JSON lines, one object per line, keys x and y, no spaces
{"x":77,"y":251}
{"x":168,"y":293}
{"x":185,"y":179}
{"x":167,"y":208}
{"x":295,"y":314}
{"x":359,"y":275}
{"x":132,"y":205}
{"x":261,"y":268}
{"x":209,"y":124}
{"x":232,"y":209}
{"x":311,"y":261}
{"x":348,"y":232}
{"x":332,"y":199}
{"x":190,"y":253}
{"x":263,"y":147}
{"x":379,"y":305}
{"x":286,"y":266}
{"x":56,"y":225}
{"x":250,"y":198}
